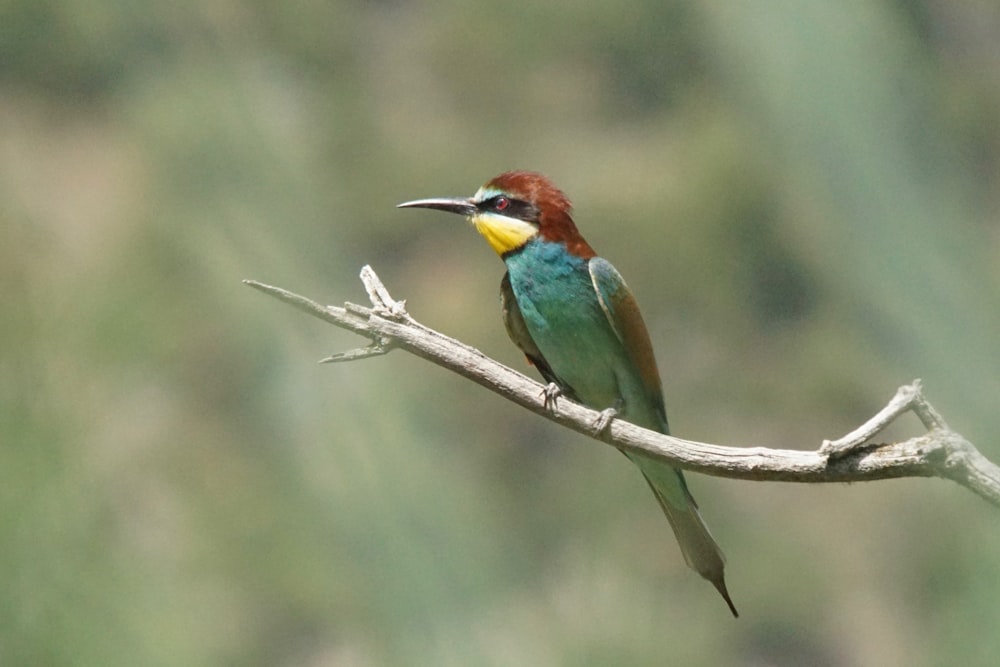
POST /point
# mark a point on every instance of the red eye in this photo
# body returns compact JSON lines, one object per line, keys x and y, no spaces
{"x":501,"y":204}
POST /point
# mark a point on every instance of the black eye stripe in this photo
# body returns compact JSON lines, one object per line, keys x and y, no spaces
{"x":510,"y":207}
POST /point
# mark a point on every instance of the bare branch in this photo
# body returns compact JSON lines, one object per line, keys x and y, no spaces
{"x":940,"y":452}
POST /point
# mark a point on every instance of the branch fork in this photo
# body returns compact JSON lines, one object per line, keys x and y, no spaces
{"x":940,"y":452}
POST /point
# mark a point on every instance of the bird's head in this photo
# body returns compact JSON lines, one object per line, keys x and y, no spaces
{"x":514,"y":208}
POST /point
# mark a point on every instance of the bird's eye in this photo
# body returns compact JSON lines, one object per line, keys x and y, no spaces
{"x":501,"y":204}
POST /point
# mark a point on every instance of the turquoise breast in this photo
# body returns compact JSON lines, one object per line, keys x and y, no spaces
{"x":556,"y":297}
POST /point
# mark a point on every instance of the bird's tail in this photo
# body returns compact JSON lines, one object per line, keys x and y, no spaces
{"x":700,"y":550}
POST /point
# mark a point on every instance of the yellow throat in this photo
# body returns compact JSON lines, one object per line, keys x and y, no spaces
{"x":502,"y":233}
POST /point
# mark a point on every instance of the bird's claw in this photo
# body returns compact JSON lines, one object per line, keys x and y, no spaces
{"x":549,"y":395}
{"x":603,"y":420}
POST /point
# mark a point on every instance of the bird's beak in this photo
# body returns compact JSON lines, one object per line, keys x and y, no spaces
{"x":464,"y":207}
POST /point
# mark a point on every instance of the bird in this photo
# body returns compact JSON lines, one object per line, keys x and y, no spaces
{"x":577,"y":322}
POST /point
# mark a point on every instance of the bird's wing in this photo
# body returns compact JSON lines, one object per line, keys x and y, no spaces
{"x":622,"y":311}
{"x":699,"y":548}
{"x":518,"y":332}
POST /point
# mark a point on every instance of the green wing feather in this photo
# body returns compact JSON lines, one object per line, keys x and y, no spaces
{"x":622,"y":311}
{"x":667,"y":483}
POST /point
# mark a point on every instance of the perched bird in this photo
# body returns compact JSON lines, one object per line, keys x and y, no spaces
{"x":576,"y":320}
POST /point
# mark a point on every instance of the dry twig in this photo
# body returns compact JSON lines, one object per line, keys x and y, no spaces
{"x":940,"y":452}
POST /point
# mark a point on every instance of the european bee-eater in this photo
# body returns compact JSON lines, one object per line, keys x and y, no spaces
{"x":576,"y":320}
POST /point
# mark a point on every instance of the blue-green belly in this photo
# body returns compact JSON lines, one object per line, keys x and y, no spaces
{"x":556,"y":297}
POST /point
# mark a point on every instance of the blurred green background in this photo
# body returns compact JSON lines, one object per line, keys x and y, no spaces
{"x":804,"y":197}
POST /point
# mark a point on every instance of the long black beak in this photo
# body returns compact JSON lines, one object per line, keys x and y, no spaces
{"x":461,"y":206}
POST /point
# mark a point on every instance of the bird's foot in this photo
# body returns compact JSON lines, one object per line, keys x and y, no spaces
{"x":603,"y":420}
{"x":550,"y":394}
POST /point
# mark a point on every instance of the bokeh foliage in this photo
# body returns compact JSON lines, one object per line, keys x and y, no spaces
{"x":803,"y":196}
